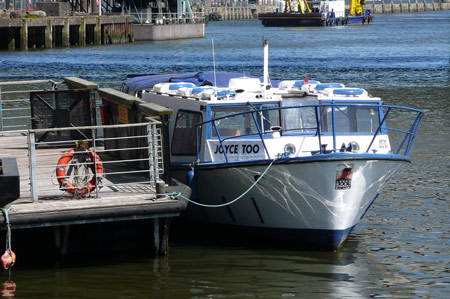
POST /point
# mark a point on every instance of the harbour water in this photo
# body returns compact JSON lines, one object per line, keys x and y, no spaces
{"x":401,"y":249}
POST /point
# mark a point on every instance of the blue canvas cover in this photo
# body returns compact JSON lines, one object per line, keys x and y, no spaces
{"x":136,"y":83}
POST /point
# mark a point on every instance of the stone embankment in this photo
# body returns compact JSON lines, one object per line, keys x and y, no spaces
{"x":23,"y":30}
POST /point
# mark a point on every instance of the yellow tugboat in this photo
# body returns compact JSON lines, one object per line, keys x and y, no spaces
{"x":318,"y":13}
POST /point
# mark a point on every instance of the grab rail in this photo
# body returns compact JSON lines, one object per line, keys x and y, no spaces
{"x":405,"y":144}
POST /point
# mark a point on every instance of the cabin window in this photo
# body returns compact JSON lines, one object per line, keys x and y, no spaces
{"x":184,"y":140}
{"x":244,"y":124}
{"x":299,"y":120}
{"x":351,"y":119}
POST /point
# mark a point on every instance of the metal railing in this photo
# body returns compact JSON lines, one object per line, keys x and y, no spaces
{"x":15,"y":102}
{"x":167,"y":18}
{"x":130,"y":160}
{"x":407,"y":135}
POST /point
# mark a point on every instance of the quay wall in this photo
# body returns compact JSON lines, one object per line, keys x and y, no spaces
{"x":150,"y":32}
{"x":408,"y":6}
{"x":251,"y":11}
{"x":49,"y":32}
{"x":23,"y":33}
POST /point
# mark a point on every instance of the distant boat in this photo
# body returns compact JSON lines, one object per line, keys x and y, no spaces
{"x":321,"y":13}
{"x":299,"y":159}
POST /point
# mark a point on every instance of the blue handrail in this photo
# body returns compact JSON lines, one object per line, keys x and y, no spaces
{"x":406,"y":143}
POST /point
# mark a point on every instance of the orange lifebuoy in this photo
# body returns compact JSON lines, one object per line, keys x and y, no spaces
{"x":66,"y":185}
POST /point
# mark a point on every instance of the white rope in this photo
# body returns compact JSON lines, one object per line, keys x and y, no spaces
{"x":175,"y":195}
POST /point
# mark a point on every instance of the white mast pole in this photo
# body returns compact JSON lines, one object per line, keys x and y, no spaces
{"x":266,"y":63}
{"x":214,"y":62}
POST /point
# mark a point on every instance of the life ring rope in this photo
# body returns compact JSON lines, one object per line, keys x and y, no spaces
{"x":69,"y":161}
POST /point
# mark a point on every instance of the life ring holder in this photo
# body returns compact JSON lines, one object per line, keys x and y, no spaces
{"x":95,"y":164}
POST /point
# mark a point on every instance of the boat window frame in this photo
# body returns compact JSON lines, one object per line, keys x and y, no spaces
{"x":193,"y":133}
{"x":294,"y":132}
{"x":353,"y":103}
{"x":208,"y":129}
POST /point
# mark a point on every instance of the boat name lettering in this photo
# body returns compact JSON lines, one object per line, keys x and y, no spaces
{"x":234,"y":148}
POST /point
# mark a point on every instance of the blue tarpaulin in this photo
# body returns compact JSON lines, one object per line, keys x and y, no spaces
{"x":136,"y":83}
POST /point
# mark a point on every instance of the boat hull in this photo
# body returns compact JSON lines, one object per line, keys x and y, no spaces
{"x":309,"y":19}
{"x":295,"y":199}
{"x":291,"y":19}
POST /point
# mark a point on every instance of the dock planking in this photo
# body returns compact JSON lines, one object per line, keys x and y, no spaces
{"x":54,"y":207}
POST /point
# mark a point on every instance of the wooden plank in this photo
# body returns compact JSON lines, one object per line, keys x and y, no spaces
{"x":129,"y":101}
{"x":78,"y":83}
{"x":152,"y":109}
{"x":118,"y":97}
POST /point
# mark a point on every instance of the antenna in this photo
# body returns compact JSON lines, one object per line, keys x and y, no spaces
{"x":214,"y":62}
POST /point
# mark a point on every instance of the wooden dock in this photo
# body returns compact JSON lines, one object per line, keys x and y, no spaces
{"x":114,"y":202}
{"x":65,"y":31}
{"x":130,"y":187}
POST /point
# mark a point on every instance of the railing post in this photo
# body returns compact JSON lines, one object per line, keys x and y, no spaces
{"x":166,"y":151}
{"x":333,"y":116}
{"x":151,"y":153}
{"x":32,"y":163}
{"x":95,"y":162}
{"x":319,"y":132}
{"x":155,"y":152}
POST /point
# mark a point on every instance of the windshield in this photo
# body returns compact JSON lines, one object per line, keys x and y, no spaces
{"x":299,"y":120}
{"x":351,"y":119}
{"x":244,"y":124}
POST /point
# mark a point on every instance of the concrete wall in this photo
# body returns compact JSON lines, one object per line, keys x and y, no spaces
{"x":149,"y":32}
{"x":407,"y":7}
{"x":54,"y":9}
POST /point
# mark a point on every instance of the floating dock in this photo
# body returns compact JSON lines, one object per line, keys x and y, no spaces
{"x":130,"y":184}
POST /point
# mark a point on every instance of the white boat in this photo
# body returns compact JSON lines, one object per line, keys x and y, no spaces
{"x":301,"y":161}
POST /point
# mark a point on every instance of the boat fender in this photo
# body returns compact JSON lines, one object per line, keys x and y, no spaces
{"x":190,"y":176}
{"x":8,"y":259}
{"x":191,"y":181}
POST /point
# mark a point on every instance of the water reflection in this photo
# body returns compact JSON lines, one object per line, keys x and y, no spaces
{"x":8,"y":289}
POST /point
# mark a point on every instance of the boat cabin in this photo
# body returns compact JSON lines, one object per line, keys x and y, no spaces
{"x":247,"y":122}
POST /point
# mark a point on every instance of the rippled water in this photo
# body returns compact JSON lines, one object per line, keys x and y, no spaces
{"x":401,"y":248}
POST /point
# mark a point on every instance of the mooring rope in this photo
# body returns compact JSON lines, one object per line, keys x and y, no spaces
{"x":177,"y":195}
{"x":8,"y":232}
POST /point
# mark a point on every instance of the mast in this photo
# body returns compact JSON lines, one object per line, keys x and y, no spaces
{"x":266,"y":64}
